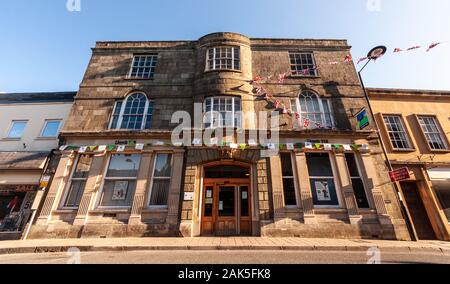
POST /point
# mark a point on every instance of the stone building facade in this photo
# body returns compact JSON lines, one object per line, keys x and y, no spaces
{"x":132,"y":180}
{"x":415,"y":127}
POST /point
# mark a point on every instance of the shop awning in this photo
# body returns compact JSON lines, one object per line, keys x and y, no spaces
{"x":439,"y":174}
{"x":23,"y":160}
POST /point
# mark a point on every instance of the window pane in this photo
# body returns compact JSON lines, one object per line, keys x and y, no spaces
{"x":209,"y":200}
{"x":140,"y":68}
{"x":443,"y":193}
{"x":118,"y":193}
{"x":319,"y":165}
{"x":245,"y":201}
{"x":163,"y":165}
{"x":160,"y":192}
{"x":83,"y":167}
{"x":17,"y":129}
{"x":351,"y":164}
{"x":360,"y":193}
{"x":51,"y":129}
{"x":286,"y":164}
{"x":75,"y":193}
{"x":289,"y":192}
{"x":122,"y":165}
{"x":226,"y":201}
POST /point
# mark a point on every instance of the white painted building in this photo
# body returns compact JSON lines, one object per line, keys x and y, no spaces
{"x":29,"y":129}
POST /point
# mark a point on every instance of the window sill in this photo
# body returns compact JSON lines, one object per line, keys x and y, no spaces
{"x":111,"y":210}
{"x":46,"y":138}
{"x":303,"y":77}
{"x":403,"y":150}
{"x":155,"y":210}
{"x":66,"y":211}
{"x":223,"y":70}
{"x":440,"y":151}
{"x":11,"y":139}
{"x":138,"y":79}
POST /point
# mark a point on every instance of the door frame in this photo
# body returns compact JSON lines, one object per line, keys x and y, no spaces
{"x":216,"y":183}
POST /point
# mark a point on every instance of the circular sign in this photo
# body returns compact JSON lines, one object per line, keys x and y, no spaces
{"x":377,"y":52}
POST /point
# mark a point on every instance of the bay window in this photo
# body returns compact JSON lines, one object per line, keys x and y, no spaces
{"x":222,"y":112}
{"x":223,"y":58}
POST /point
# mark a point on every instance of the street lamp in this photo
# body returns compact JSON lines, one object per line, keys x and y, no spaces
{"x":373,"y":55}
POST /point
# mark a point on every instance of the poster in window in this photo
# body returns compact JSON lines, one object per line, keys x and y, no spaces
{"x":120,"y":190}
{"x":323,"y":191}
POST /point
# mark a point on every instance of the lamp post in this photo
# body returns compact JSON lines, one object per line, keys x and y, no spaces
{"x":374,"y":54}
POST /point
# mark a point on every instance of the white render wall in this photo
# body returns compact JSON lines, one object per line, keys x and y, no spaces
{"x":36,"y":114}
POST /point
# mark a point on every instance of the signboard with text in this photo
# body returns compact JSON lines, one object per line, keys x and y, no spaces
{"x":400,"y":175}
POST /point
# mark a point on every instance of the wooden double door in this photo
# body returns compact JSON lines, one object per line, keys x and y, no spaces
{"x":226,"y":208}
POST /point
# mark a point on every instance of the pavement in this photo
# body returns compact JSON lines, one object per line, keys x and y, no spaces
{"x":220,"y":243}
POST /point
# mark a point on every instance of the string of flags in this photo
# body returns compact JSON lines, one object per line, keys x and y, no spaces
{"x":197,"y":142}
{"x":398,"y":50}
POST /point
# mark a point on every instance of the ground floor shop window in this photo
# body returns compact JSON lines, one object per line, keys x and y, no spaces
{"x":288,"y":180}
{"x":357,"y":182}
{"x":161,"y":180}
{"x":322,"y":179}
{"x":77,"y":182}
{"x":15,"y":209}
{"x":443,"y":194}
{"x":120,"y":181}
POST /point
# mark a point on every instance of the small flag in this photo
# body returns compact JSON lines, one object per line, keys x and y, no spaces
{"x":396,"y":50}
{"x":196,"y":142}
{"x":252,"y":142}
{"x":101,"y":148}
{"x":62,"y":148}
{"x":348,"y":58}
{"x":271,"y":146}
{"x":234,"y":145}
{"x":277,"y":104}
{"x":306,"y":123}
{"x":281,"y":77}
{"x":257,"y":79}
{"x":347,"y":147}
{"x":120,"y":148}
{"x":82,"y":149}
{"x":92,"y":148}
{"x":327,"y":147}
{"x":318,"y":146}
{"x":362,"y":59}
{"x":318,"y":125}
{"x":308,"y":145}
{"x":290,"y":146}
{"x":433,"y":45}
{"x":243,"y":146}
{"x":414,"y":47}
{"x":140,"y":146}
{"x":306,"y":71}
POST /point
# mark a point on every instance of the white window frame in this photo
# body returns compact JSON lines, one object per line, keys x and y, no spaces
{"x":233,"y":58}
{"x":45,"y":125}
{"x":149,"y":198}
{"x":294,"y":178}
{"x":233,"y":112}
{"x":403,"y":131}
{"x":313,"y":64}
{"x":8,"y":134}
{"x":154,"y":58}
{"x":440,"y":133}
{"x":105,"y":178}
{"x":69,"y":184}
{"x":336,"y":184}
{"x":122,"y":110}
{"x":322,"y":111}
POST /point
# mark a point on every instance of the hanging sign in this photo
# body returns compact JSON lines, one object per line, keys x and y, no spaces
{"x":363,"y":119}
{"x":400,"y":175}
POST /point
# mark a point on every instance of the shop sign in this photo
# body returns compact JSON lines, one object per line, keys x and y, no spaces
{"x":362,"y":118}
{"x":44,"y":181}
{"x":400,"y":175}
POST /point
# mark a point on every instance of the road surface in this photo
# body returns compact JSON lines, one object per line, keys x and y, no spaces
{"x":223,"y":257}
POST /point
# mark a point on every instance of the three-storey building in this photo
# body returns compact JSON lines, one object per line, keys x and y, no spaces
{"x":121,"y":173}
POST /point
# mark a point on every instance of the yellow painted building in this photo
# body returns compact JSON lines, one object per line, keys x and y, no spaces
{"x":415,"y":128}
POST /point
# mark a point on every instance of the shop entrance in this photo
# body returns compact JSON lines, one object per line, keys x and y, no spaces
{"x":417,"y":210}
{"x":226,"y":201}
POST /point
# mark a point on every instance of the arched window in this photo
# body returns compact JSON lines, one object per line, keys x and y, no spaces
{"x":133,"y":113}
{"x":222,"y":112}
{"x":313,"y":109}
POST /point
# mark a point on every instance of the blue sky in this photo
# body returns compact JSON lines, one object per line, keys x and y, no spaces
{"x":44,"y":47}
